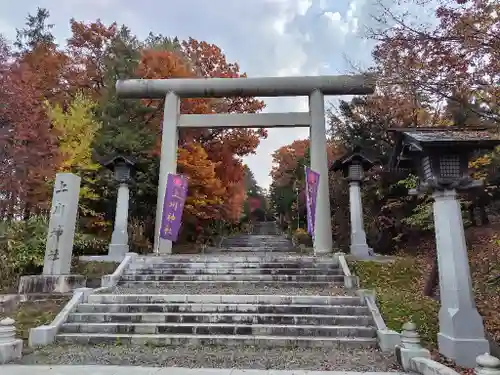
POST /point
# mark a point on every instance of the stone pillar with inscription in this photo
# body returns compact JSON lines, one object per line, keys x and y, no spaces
{"x":59,"y":247}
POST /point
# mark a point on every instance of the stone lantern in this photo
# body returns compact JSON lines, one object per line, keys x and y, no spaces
{"x":121,"y":167}
{"x":440,"y":157}
{"x":353,"y":165}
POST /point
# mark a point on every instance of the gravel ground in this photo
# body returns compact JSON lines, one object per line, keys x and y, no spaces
{"x":213,"y":357}
{"x":222,"y":289}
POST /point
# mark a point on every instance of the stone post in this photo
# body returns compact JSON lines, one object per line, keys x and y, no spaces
{"x":410,"y":346}
{"x":487,"y":365}
{"x":61,"y":233}
{"x":168,"y":164}
{"x":359,"y":247}
{"x":461,"y":335}
{"x":323,"y":243}
{"x":119,"y":239}
{"x":10,"y":347}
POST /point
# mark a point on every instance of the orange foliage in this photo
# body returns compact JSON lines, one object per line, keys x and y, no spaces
{"x":223,"y":146}
{"x":49,"y":71}
{"x":457,"y":60}
{"x":206,"y":192}
{"x":286,"y":158}
{"x":86,"y":47}
{"x":83,"y":65}
{"x":28,"y":144}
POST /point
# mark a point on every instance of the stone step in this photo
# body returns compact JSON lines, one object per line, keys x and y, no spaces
{"x":237,"y":265}
{"x":256,"y":239}
{"x":227,"y":299}
{"x":220,"y":329}
{"x":252,"y":249}
{"x":231,"y":278}
{"x":234,"y":283}
{"x":228,"y":340}
{"x":234,"y":308}
{"x":257,"y":244}
{"x":234,"y":271}
{"x":334,"y":320}
{"x":270,"y":258}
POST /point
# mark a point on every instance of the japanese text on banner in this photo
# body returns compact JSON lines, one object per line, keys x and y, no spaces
{"x":312,"y":183}
{"x":173,"y":205}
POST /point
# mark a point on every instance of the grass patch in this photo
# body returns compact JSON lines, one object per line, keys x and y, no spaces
{"x":186,"y":248}
{"x":399,"y":295}
{"x":32,"y":314}
{"x":94,"y":269}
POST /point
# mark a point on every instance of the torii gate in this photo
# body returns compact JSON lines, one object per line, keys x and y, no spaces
{"x":315,"y":87}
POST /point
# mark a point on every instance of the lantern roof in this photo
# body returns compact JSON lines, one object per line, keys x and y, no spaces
{"x":412,"y":141}
{"x":355,"y":155}
{"x":112,"y":162}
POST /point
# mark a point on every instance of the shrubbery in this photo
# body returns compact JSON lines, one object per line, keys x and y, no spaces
{"x":301,"y":237}
{"x":22,"y":248}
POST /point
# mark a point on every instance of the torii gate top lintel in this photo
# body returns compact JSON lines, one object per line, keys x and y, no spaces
{"x":361,"y":84}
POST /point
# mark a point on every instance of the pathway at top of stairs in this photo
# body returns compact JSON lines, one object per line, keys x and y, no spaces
{"x":261,"y":306}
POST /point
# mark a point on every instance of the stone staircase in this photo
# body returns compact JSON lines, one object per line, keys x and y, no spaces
{"x":264,"y":238}
{"x":211,"y":299}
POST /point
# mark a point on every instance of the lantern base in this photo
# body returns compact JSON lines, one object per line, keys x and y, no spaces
{"x":51,"y":284}
{"x":118,"y":251}
{"x":10,"y":351}
{"x":462,"y":350}
{"x":361,"y":251}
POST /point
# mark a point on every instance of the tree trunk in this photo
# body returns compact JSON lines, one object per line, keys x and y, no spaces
{"x":432,"y":280}
{"x":472,"y":214}
{"x":484,"y":216}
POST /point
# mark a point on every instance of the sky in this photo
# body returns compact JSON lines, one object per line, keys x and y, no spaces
{"x":266,"y":38}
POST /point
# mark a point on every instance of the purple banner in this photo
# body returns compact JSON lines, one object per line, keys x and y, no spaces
{"x":173,"y":205}
{"x":312,"y":183}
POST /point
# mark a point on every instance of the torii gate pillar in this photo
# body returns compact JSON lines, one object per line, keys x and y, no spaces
{"x":313,"y":87}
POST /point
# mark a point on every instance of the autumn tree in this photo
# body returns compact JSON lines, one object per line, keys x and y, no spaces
{"x":288,"y":176}
{"x":457,"y":60}
{"x":205,"y":192}
{"x":76,"y":128}
{"x":107,"y":53}
{"x":29,"y":145}
{"x":225,"y":146}
{"x":37,"y":52}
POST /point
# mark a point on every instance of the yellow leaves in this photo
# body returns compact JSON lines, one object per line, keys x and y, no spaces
{"x":479,"y":166}
{"x":481,"y":161}
{"x":76,"y":127}
{"x":300,"y":231}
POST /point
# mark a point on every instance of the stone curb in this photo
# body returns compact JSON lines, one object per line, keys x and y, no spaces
{"x":113,"y":279}
{"x":387,"y":338}
{"x":426,"y":366}
{"x":350,"y":281}
{"x":46,"y":334}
